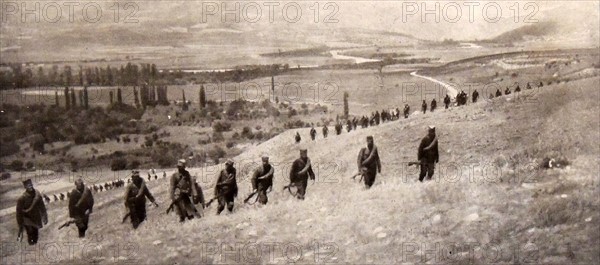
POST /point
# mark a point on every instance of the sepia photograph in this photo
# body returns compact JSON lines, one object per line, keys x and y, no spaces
{"x":299,"y":132}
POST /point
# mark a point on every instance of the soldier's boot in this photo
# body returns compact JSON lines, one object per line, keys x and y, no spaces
{"x":220,"y":209}
{"x":230,"y":206}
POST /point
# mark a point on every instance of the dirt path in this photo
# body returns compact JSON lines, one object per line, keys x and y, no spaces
{"x":451,"y":90}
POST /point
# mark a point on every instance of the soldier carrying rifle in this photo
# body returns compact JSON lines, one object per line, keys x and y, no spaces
{"x":31,"y":213}
{"x":81,"y":204}
{"x":226,"y":188}
{"x":262,"y":180}
{"x":135,"y":199}
{"x":428,"y":154}
{"x":369,"y":163}
{"x":184,"y":193}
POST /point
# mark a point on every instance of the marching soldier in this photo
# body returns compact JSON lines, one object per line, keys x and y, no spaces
{"x":433,"y":105}
{"x":447,"y":101}
{"x":424,"y":106}
{"x":507,"y":91}
{"x":226,"y":188}
{"x":369,"y":163}
{"x":31,"y":213}
{"x":338,"y":128}
{"x":135,"y":199}
{"x":313,"y":133}
{"x":325,"y":131}
{"x":498,"y":93}
{"x":406,"y":111}
{"x":300,"y":172}
{"x":297,"y":137}
{"x":81,"y":204}
{"x":428,"y":154}
{"x":184,"y":192}
{"x":518,"y":89}
{"x":262,"y":180}
{"x":475,"y":95}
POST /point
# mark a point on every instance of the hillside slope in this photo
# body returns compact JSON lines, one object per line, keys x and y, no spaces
{"x":490,"y":201}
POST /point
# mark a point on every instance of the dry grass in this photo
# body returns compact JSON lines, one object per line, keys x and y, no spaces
{"x":530,"y":221}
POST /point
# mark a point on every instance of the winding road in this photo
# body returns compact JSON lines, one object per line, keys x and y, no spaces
{"x":451,"y":90}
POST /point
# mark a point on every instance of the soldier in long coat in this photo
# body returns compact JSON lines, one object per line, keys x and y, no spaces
{"x":31,"y":213}
{"x":428,"y":154}
{"x":300,"y":172}
{"x":226,"y":188}
{"x":262,"y":180}
{"x":184,"y":192}
{"x":135,"y":199}
{"x":81,"y":204}
{"x":369,"y":163}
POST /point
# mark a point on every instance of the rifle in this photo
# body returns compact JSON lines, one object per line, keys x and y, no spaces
{"x":20,"y":234}
{"x":250,"y":196}
{"x":213,"y":199}
{"x":125,"y":217}
{"x":68,"y":223}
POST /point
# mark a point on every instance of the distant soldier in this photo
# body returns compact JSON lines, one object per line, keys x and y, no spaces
{"x":369,"y":163}
{"x":446,"y":101}
{"x":262,"y":180}
{"x":184,"y":192}
{"x":518,"y":89}
{"x":377,"y":118}
{"x":338,"y":128}
{"x":354,"y":123}
{"x":297,"y":137}
{"x":528,"y":85}
{"x":300,"y":172}
{"x":491,"y":96}
{"x":135,"y":199}
{"x":313,"y":133}
{"x":406,"y":111}
{"x":428,"y":154}
{"x":498,"y":93}
{"x":348,"y":125}
{"x":55,"y":198}
{"x":424,"y":107}
{"x":433,"y":105}
{"x":475,"y":95}
{"x":397,"y":113}
{"x":81,"y":204}
{"x":31,"y":213}
{"x":226,"y":188}
{"x":164,"y":174}
{"x":507,"y":91}
{"x":325,"y":131}
{"x":541,"y":84}
{"x":46,"y":199}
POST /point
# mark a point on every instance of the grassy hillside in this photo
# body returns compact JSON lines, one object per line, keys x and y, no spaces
{"x":491,"y":200}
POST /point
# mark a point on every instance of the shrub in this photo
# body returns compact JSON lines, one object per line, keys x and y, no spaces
{"x":9,"y":148}
{"x":5,"y":175}
{"x":134,"y":164}
{"x":217,"y":137}
{"x":118,"y":164}
{"x":216,"y":153}
{"x":29,"y":165}
{"x":16,"y":165}
{"x":221,"y":126}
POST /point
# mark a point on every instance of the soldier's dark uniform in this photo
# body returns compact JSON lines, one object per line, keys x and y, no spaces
{"x":424,"y":107}
{"x":297,"y":137}
{"x":428,"y":154}
{"x":262,"y":180}
{"x":226,"y":188}
{"x":368,"y":162}
{"x":433,"y":104}
{"x":447,"y":101}
{"x":183,"y":191}
{"x":325,"y":131}
{"x":135,"y":200}
{"x":31,"y":212}
{"x":406,"y":111}
{"x":80,"y":202}
{"x":498,"y":93}
{"x":475,"y":96}
{"x":313,"y":133}
{"x":300,"y":172}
